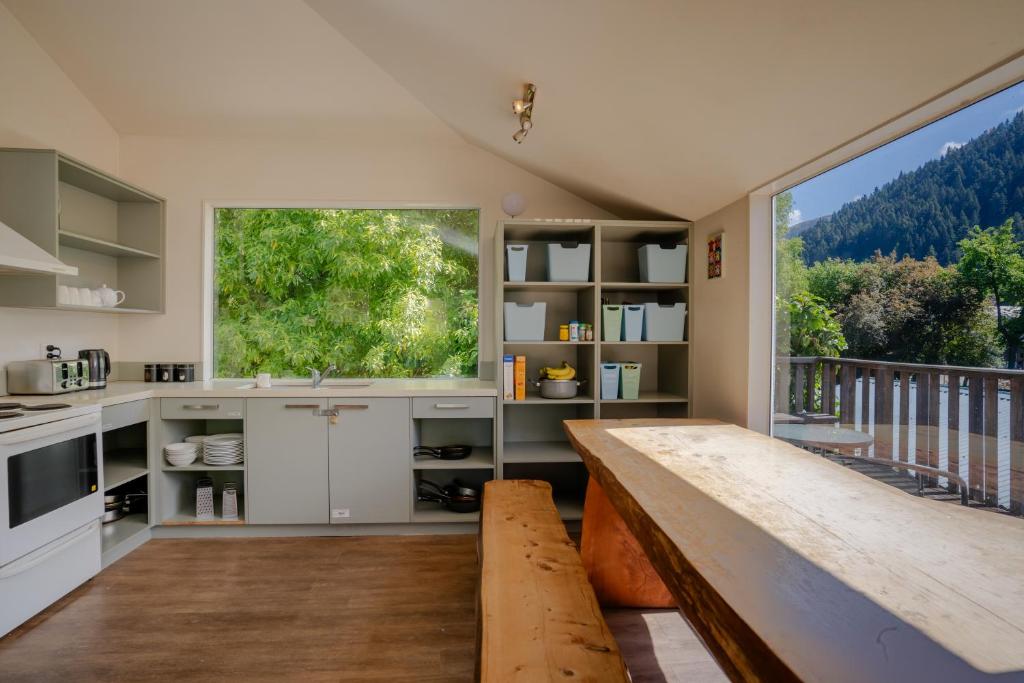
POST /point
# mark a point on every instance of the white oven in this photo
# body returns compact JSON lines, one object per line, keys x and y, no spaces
{"x":51,"y":498}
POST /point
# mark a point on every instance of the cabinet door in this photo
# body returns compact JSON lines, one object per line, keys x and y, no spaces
{"x":371,"y":465}
{"x":286,"y":461}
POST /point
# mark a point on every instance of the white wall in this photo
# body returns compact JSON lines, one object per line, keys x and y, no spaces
{"x":41,"y":107}
{"x":399,"y":167}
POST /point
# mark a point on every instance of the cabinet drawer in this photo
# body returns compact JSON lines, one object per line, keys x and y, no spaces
{"x":453,"y":406}
{"x":201,"y":408}
{"x":124,"y":414}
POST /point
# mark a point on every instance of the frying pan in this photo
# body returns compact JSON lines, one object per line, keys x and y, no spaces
{"x":457,"y":452}
{"x":454,"y":497}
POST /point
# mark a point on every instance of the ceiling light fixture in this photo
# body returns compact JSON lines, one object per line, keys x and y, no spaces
{"x":523,"y":108}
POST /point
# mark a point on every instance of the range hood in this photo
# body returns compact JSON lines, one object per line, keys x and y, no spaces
{"x":19,"y":255}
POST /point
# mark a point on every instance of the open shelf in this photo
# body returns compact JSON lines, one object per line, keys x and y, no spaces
{"x":650,"y":397}
{"x":119,"y":473}
{"x":116,"y":533}
{"x":630,"y":286}
{"x":479,"y":459}
{"x":100,"y":246}
{"x":103,"y":309}
{"x":190,"y":520}
{"x":539,"y":451}
{"x":433,"y":513}
{"x":202,"y":467}
{"x":549,"y":343}
{"x":570,"y":509}
{"x":535,"y":399}
{"x":548,"y":286}
{"x":644,"y":343}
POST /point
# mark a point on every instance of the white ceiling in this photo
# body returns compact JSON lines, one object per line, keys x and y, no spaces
{"x":646,"y":106}
{"x":215,"y":67}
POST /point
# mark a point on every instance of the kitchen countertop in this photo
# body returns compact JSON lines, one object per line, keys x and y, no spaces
{"x":123,"y":392}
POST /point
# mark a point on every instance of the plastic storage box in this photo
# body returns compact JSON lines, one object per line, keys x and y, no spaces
{"x":609,"y":381}
{"x":524,"y":322}
{"x":662,"y":264}
{"x":611,"y":323}
{"x":516,"y":260}
{"x":664,"y":322}
{"x":629,"y":380}
{"x":568,"y":262}
{"x":632,"y":322}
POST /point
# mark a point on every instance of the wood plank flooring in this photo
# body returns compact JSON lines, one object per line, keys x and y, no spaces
{"x":377,"y":608}
{"x":397,"y":608}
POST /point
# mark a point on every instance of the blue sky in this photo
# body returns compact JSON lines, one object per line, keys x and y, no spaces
{"x":826,"y":193}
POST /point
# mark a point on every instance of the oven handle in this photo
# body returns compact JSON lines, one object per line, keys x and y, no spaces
{"x":16,"y":567}
{"x":48,"y":429}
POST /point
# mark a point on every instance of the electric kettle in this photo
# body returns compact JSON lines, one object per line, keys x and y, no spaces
{"x":99,"y":366}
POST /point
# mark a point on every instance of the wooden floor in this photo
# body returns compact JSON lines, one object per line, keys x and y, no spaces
{"x":380,"y":608}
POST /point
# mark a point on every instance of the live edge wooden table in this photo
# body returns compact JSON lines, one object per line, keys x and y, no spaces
{"x":791,"y":567}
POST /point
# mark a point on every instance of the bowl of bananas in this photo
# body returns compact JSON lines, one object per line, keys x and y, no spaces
{"x":559,"y":382}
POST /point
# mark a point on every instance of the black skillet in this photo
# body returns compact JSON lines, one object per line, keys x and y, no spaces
{"x":458,"y":452}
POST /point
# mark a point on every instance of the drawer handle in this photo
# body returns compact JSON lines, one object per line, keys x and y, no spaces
{"x":351,"y":406}
{"x":302,"y":406}
{"x":201,"y":406}
{"x":451,"y":406}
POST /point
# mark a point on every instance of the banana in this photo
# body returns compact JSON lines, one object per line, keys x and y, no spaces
{"x":565,"y":372}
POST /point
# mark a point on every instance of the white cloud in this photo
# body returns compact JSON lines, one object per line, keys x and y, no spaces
{"x":950,"y":146}
{"x":794,"y":216}
{"x":860,"y":196}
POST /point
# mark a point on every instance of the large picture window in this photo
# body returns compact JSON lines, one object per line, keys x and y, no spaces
{"x":899,"y":284}
{"x":377,"y":292}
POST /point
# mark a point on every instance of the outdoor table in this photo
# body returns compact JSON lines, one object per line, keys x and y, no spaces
{"x":792,"y":567}
{"x":839,"y":439}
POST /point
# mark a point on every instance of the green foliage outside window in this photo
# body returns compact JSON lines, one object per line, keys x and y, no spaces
{"x":379,"y":293}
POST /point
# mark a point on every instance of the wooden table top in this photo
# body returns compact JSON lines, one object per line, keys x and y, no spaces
{"x":790,"y":566}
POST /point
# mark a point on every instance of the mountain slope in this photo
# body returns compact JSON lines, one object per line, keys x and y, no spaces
{"x":928,"y":210}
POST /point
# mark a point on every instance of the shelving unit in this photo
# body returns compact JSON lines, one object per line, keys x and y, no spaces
{"x":126,"y":471}
{"x":111,"y":231}
{"x":531,"y":441}
{"x":177,"y":501}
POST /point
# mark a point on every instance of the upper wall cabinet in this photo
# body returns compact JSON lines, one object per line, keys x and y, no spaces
{"x":113,"y":232}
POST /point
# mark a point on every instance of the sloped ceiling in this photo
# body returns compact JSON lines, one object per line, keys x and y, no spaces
{"x":644,"y":107}
{"x":676,"y":106}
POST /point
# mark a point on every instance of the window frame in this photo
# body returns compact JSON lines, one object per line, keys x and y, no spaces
{"x":960,"y":96}
{"x":207,"y":292}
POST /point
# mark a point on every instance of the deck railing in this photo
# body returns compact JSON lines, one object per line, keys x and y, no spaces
{"x":968,"y":421}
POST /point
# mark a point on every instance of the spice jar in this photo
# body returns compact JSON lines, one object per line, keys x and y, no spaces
{"x":563,"y":333}
{"x":574,"y":330}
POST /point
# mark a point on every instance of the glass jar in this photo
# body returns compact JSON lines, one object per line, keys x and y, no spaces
{"x":563,"y":333}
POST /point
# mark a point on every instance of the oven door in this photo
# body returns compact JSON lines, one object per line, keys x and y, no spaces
{"x":50,"y":483}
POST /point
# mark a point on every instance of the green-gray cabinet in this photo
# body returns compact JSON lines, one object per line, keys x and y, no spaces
{"x":370,"y":473}
{"x":286,"y":461}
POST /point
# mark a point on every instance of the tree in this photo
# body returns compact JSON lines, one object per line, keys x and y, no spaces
{"x":809,"y":328}
{"x":379,"y":293}
{"x":907,"y":310}
{"x":993,"y":265}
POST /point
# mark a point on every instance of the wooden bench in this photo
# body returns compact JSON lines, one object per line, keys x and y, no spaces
{"x":538,"y":618}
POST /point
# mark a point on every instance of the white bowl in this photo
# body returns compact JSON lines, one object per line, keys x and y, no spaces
{"x":181,"y":460}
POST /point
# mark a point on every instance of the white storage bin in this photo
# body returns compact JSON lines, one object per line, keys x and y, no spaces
{"x":632,"y":322}
{"x":609,"y":381}
{"x":516,"y":260}
{"x":524,"y":322}
{"x":568,"y":262}
{"x":664,"y":322}
{"x":662,"y":264}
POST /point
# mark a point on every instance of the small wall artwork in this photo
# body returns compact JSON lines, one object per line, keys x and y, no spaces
{"x":715,"y":256}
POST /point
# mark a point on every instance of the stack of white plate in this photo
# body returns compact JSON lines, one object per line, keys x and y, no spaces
{"x":181,"y":454}
{"x":223,"y":449}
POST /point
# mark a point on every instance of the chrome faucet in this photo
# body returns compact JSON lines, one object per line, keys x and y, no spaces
{"x":318,"y":376}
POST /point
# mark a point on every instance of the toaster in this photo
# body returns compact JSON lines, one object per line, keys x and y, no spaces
{"x":47,"y":376}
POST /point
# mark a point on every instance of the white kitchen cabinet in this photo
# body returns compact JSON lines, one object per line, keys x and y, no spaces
{"x":370,"y":475}
{"x":286,"y":461}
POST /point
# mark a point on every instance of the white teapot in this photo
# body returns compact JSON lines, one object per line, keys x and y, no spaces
{"x":110,"y":297}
